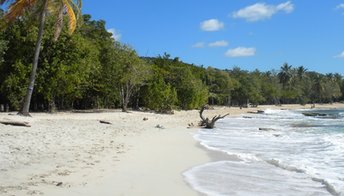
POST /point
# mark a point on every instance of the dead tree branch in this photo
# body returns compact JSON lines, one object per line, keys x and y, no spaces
{"x":105,"y":122}
{"x":15,"y":123}
{"x":206,"y":122}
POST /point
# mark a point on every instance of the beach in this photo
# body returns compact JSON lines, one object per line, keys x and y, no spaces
{"x":139,"y":153}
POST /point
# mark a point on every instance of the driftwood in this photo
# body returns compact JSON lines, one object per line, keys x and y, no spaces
{"x":206,"y":122}
{"x":159,"y":126}
{"x":15,"y":123}
{"x":59,"y":184}
{"x":105,"y":122}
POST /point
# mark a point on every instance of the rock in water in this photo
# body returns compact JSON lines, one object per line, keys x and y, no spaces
{"x":267,"y":129}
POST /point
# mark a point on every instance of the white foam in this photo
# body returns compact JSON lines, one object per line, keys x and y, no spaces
{"x":250,"y":178}
{"x":312,"y":151}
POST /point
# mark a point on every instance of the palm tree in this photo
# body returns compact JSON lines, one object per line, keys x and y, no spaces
{"x":17,"y":8}
{"x":285,"y":75}
{"x":301,"y":71}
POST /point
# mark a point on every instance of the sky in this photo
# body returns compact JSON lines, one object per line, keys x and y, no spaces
{"x":224,"y":34}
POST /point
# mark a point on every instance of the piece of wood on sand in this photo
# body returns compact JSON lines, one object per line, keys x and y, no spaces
{"x":105,"y":122}
{"x":206,"y":122}
{"x":15,"y":123}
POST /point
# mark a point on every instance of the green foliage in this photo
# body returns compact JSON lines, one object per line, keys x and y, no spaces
{"x":220,"y":86}
{"x":191,"y":92}
{"x":249,"y":89}
{"x":271,"y":88}
{"x":285,"y":75}
{"x":160,"y":96}
{"x":89,"y":69}
{"x":130,"y":73}
{"x":3,"y":73}
{"x":3,"y":47}
{"x":65,"y":74}
{"x":14,"y":86}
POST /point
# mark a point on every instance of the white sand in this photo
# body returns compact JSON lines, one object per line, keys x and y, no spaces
{"x":85,"y":157}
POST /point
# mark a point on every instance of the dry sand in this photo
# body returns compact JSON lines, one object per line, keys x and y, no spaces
{"x":74,"y":154}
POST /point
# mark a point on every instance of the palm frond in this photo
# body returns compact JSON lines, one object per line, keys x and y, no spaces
{"x":4,"y":1}
{"x":54,"y":6}
{"x":17,"y":9}
{"x":71,"y":16}
{"x":76,"y":5}
{"x":59,"y":22}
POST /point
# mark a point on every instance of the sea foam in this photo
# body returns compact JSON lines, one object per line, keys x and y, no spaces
{"x":285,"y":159}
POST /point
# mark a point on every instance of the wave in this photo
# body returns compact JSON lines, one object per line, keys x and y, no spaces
{"x":278,"y":163}
{"x":239,"y":156}
{"x":329,"y":187}
{"x":249,"y":158}
{"x":324,"y":114}
{"x":250,"y":178}
{"x":306,"y":148}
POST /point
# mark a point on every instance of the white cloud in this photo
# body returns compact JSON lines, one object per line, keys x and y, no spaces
{"x":241,"y":52}
{"x":212,"y":25}
{"x":286,"y":7}
{"x":340,"y":6}
{"x":261,"y":11}
{"x":115,"y":34}
{"x":222,"y":43}
{"x":199,"y":45}
{"x":341,"y":55}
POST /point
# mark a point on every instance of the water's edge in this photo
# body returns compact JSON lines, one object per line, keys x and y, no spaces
{"x":223,"y":158}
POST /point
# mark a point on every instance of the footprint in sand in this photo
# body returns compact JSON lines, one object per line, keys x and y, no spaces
{"x":64,"y":173}
{"x":34,"y":192}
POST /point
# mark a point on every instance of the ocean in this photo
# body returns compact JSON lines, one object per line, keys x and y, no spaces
{"x":279,"y":152}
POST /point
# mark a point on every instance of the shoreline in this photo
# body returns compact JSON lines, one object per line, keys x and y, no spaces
{"x":74,"y":154}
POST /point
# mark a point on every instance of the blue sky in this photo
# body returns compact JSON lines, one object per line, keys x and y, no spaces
{"x":226,"y":33}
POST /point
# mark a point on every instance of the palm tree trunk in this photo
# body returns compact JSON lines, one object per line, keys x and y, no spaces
{"x":59,"y":23}
{"x":27,"y":100}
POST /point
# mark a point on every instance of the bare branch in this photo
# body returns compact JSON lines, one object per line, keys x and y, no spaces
{"x":16,"y":123}
{"x":205,"y":122}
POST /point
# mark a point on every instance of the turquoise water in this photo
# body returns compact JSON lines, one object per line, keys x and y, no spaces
{"x":279,"y":152}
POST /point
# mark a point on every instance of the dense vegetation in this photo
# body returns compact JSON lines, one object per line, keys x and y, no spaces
{"x":38,"y":11}
{"x":89,"y":69}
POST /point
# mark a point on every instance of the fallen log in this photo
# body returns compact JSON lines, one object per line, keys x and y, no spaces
{"x":15,"y":123}
{"x":206,"y":122}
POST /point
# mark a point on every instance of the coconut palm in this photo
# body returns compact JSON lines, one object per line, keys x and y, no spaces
{"x":301,"y":71}
{"x":58,"y":8}
{"x":285,"y":75}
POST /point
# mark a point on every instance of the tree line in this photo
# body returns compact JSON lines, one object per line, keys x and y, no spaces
{"x":89,"y":69}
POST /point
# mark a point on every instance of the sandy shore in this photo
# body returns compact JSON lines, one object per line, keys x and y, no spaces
{"x":74,"y":154}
